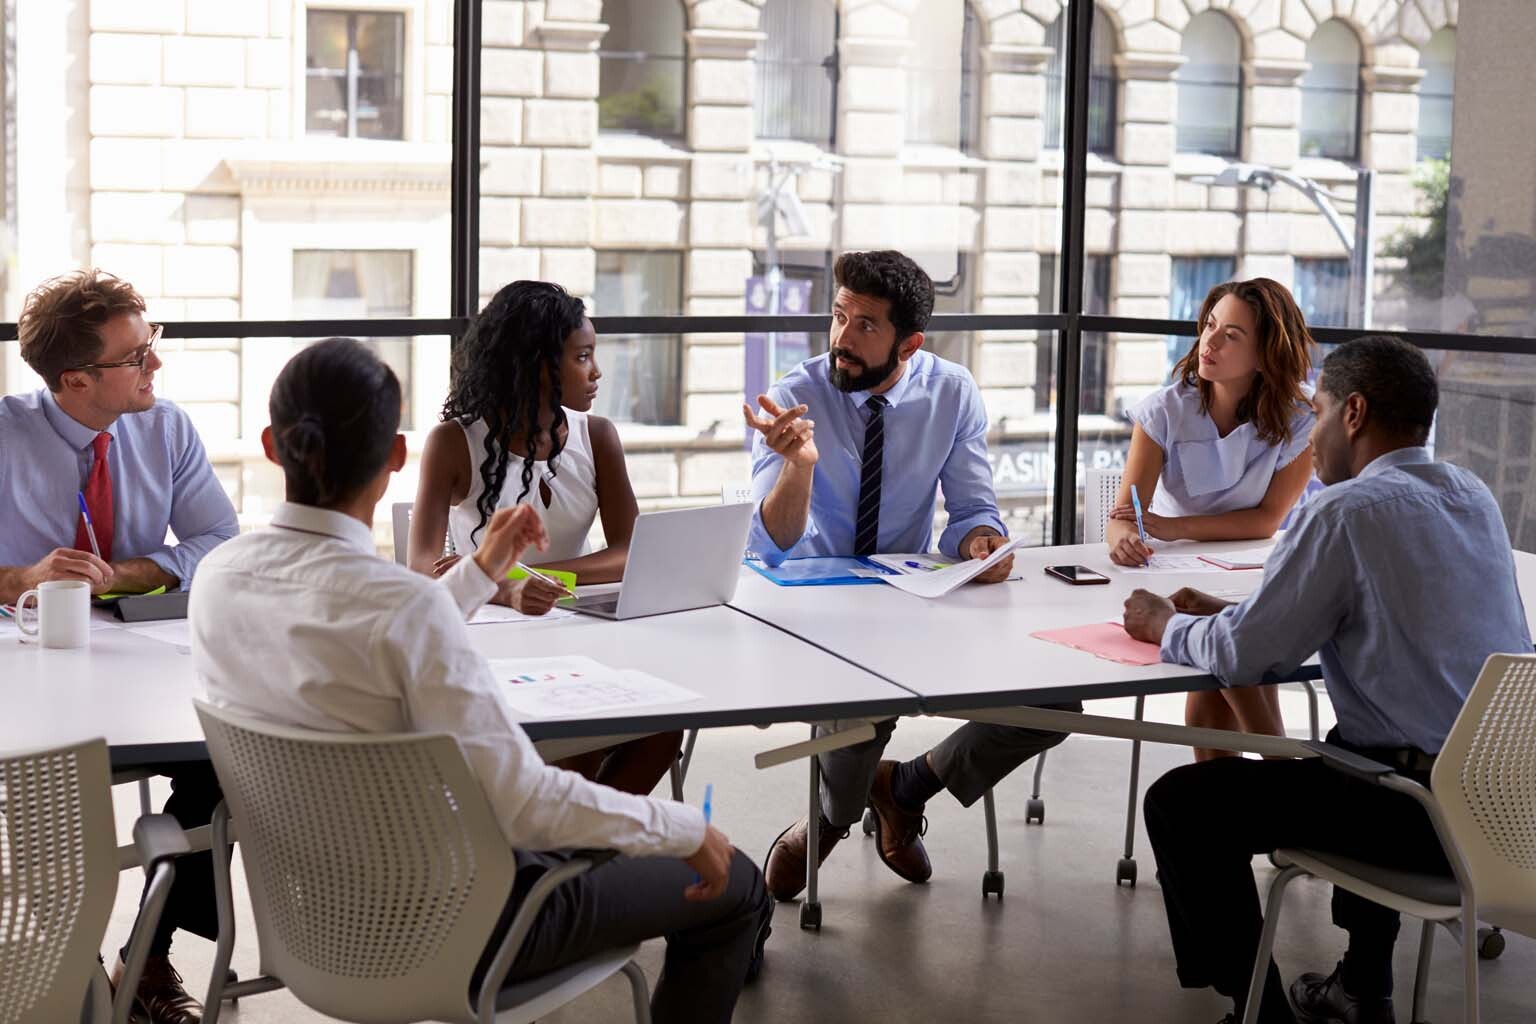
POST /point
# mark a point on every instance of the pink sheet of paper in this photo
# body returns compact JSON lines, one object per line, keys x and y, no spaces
{"x":1107,"y":640}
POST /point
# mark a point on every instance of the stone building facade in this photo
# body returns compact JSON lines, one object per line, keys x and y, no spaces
{"x":178,"y":147}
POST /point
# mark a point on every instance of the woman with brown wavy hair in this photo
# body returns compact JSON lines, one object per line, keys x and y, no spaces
{"x":1222,"y":453}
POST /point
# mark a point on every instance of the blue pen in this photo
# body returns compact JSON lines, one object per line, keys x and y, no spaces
{"x":709,"y":799}
{"x":1136,"y":504}
{"x":90,"y":527}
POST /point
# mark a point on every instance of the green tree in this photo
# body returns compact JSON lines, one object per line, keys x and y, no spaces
{"x":1422,"y":250}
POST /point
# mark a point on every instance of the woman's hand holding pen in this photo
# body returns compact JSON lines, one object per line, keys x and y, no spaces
{"x":510,"y":533}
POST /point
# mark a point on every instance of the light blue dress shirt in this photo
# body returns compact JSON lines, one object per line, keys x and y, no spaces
{"x":160,"y":478}
{"x":1401,"y":580}
{"x":935,"y":438}
{"x":1204,"y":473}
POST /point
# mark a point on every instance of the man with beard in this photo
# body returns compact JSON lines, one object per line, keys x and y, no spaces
{"x":831,"y":429}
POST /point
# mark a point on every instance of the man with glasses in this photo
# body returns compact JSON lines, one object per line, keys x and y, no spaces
{"x":96,"y":431}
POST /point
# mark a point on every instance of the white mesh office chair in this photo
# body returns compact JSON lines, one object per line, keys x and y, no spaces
{"x":400,"y":519}
{"x":377,"y":873}
{"x":58,"y":879}
{"x":1482,"y":802}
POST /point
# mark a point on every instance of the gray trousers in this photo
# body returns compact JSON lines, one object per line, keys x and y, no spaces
{"x":631,"y":899}
{"x":970,"y":761}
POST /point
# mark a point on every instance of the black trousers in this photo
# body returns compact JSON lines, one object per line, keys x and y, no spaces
{"x":194,"y":794}
{"x":1206,"y":821}
{"x":628,"y":900}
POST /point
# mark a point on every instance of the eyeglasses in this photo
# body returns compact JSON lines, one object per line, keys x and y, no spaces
{"x":137,"y":361}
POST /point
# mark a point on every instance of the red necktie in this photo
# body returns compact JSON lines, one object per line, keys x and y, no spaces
{"x":98,"y":498}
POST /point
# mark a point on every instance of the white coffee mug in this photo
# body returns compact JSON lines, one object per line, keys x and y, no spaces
{"x":63,"y":617}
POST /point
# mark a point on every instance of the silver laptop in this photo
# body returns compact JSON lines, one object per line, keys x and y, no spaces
{"x":690,"y":558}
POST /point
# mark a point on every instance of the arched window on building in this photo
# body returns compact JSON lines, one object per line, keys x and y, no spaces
{"x":1330,"y":94}
{"x":797,"y":71}
{"x":1438,"y":59}
{"x":1210,"y":86}
{"x":642,"y":76}
{"x":1102,"y":84}
{"x":944,"y":75}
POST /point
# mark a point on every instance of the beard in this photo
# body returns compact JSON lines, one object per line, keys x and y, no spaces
{"x":867,"y":377}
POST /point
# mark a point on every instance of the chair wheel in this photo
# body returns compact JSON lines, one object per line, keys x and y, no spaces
{"x":810,"y":917}
{"x":1490,"y":943}
{"x":992,"y":884}
{"x":1125,"y":871}
{"x":1034,"y":811}
{"x":869,"y":822}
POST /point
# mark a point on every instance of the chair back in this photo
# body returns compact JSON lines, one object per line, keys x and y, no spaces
{"x":1100,"y":487}
{"x":1485,"y":783}
{"x":376,"y":869}
{"x":400,"y":519}
{"x":58,"y":878}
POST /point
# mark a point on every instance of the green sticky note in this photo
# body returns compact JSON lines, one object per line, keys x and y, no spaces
{"x":113,"y":596}
{"x":568,"y":578}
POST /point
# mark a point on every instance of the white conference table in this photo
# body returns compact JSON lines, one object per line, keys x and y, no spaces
{"x":973,"y":648}
{"x":137,"y":692}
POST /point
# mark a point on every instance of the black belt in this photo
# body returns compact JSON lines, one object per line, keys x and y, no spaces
{"x":1404,"y":759}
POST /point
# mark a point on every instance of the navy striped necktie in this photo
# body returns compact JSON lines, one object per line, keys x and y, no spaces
{"x":866,"y":529}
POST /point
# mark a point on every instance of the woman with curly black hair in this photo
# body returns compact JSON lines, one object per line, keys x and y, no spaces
{"x":517,"y":430}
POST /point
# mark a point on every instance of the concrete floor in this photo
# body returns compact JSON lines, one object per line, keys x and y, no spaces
{"x":1065,"y":945}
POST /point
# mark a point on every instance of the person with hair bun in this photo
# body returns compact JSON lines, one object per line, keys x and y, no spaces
{"x":1222,"y":454}
{"x":518,"y":430}
{"x":304,"y":625}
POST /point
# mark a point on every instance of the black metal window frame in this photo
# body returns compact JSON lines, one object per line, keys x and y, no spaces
{"x":1070,"y":325}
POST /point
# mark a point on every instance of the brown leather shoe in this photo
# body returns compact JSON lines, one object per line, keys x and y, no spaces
{"x":898,"y":832}
{"x":161,"y":998}
{"x":784,"y":871}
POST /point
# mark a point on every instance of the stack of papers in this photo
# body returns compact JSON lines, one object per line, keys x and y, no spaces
{"x":558,"y":687}
{"x":1250,"y":558}
{"x":1171,"y":565}
{"x":1107,"y":640}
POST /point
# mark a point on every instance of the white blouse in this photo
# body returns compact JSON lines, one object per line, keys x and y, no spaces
{"x":1203,"y":472}
{"x":572,"y":507}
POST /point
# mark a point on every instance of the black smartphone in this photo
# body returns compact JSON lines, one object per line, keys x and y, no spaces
{"x":1077,"y":575}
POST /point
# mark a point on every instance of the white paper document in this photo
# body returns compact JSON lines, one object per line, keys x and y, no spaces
{"x":177,"y":632}
{"x":557,"y":687}
{"x":488,"y":613}
{"x":1171,"y":565}
{"x":1248,"y":558}
{"x":940,"y":581}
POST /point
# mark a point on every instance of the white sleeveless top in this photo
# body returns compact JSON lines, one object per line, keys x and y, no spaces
{"x":573,"y":493}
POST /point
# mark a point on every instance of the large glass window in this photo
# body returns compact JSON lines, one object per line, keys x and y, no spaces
{"x":1330,"y":93}
{"x":1094,"y":382}
{"x":355,"y":74}
{"x":642,"y":374}
{"x":1322,"y":291}
{"x":1102,"y":85}
{"x":1210,"y":86}
{"x":1193,"y":279}
{"x":641,"y":82}
{"x":1436,"y":88}
{"x":944,"y":76}
{"x":336,"y":284}
{"x":796,"y":95}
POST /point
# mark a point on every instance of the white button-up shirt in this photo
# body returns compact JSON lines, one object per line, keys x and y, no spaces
{"x":304,"y":625}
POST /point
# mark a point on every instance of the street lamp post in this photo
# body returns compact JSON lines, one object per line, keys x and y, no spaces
{"x":1362,"y":255}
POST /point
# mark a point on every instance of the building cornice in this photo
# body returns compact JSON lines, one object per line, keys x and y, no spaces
{"x":342,"y":167}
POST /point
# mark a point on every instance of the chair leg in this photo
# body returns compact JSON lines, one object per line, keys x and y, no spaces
{"x":1421,"y":976}
{"x":1034,"y":810}
{"x":144,"y":804}
{"x":992,"y":881}
{"x":1470,"y":1011}
{"x":693,"y":737}
{"x":1267,"y":943}
{"x":810,"y":908}
{"x":1125,"y":870}
{"x":224,"y":904}
{"x":639,"y":991}
{"x":675,"y":773}
{"x":1312,"y":720}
